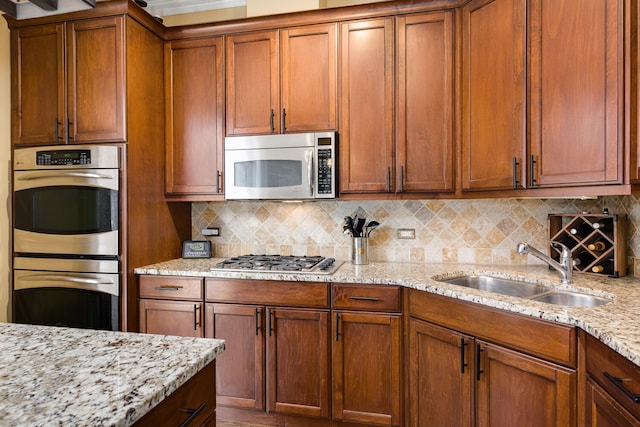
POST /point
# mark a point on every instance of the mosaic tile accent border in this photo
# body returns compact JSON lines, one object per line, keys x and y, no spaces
{"x":482,"y":231}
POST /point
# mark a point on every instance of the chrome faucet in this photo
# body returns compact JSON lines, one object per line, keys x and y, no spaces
{"x":565,"y":266}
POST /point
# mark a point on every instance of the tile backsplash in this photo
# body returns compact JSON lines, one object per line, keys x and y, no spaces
{"x":483,"y":231}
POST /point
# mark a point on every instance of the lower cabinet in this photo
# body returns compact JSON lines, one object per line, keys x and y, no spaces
{"x":277,"y":354}
{"x":171,"y":305}
{"x":613,"y":387}
{"x":471,"y":365}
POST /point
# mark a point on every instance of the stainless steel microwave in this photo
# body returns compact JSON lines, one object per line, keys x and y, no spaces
{"x":297,"y":166}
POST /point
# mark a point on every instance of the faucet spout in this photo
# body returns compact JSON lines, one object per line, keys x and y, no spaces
{"x":565,"y":266}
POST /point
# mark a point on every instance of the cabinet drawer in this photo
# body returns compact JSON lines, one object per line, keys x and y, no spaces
{"x":617,"y":375}
{"x":194,"y":403}
{"x":170,"y":287}
{"x":268,"y":292}
{"x":366,"y":297}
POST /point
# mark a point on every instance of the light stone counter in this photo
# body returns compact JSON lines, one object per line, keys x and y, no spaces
{"x":617,"y":323}
{"x":51,"y":376}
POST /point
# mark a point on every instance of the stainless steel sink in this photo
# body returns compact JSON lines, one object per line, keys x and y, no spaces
{"x":570,"y":299}
{"x":531,"y":291}
{"x":509,"y":287}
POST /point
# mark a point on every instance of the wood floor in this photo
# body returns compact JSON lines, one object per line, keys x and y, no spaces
{"x":220,"y":423}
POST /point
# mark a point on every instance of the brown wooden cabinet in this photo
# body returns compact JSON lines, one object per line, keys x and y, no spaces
{"x":576,"y":79}
{"x":424,"y":103}
{"x":277,"y":345}
{"x":291,"y":91}
{"x":563,"y":62}
{"x":613,"y":387}
{"x":367,"y":354}
{"x":406,"y":147}
{"x":366,"y":106}
{"x":493,"y":94}
{"x":194,"y":92}
{"x":522,"y":373}
{"x":68,"y":82}
{"x":171,"y":305}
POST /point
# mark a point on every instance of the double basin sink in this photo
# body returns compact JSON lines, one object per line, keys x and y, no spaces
{"x":530,"y":291}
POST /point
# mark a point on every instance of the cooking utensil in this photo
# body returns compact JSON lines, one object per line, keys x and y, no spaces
{"x":359,"y":227}
{"x":370,"y":227}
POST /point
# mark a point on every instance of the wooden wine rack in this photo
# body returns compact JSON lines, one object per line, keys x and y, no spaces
{"x":578,"y":233}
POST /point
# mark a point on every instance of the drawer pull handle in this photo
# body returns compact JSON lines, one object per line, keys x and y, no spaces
{"x":356,"y":298}
{"x":193,"y":413}
{"x":479,"y":371}
{"x":168,"y":288}
{"x":463,"y":364}
{"x":619,"y":383}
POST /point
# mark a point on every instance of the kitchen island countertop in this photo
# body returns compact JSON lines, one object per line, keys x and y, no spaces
{"x":65,"y":376}
{"x":616,"y":323}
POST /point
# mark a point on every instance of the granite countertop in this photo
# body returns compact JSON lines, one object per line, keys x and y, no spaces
{"x":616,"y":324}
{"x":57,"y":376}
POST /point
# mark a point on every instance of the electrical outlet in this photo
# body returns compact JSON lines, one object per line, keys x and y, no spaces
{"x":212,"y":231}
{"x":406,"y":233}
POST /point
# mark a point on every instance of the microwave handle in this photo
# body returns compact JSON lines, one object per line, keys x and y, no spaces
{"x":310,"y":173}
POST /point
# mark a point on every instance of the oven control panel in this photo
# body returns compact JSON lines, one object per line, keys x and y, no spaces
{"x":63,"y":157}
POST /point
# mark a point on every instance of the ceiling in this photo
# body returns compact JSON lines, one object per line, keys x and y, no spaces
{"x":163,"y":8}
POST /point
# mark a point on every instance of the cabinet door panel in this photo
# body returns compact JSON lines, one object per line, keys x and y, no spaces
{"x":367,"y":368}
{"x":366,"y":114}
{"x":493,"y":93}
{"x":424,"y":102}
{"x":309,"y":78}
{"x":576,"y":91}
{"x":298,"y":362}
{"x":38,"y":84}
{"x":95,"y":75}
{"x":518,"y":390}
{"x":194,"y":116}
{"x":441,"y":376}
{"x":253,"y":89}
{"x":604,"y":411}
{"x":240,"y":369}
{"x":171,"y":318}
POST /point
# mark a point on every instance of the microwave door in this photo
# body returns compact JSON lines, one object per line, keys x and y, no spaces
{"x":270,"y":174}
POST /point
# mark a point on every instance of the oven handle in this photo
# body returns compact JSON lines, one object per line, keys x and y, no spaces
{"x":310,"y":174}
{"x":98,"y":284}
{"x":62,"y":174}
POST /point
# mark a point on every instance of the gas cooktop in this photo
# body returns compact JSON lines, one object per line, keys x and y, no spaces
{"x":280,"y":264}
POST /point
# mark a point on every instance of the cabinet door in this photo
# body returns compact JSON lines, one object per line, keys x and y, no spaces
{"x":493,"y":91}
{"x":603,"y":411}
{"x":576,"y":64}
{"x":253,"y":88}
{"x":424,"y":131}
{"x":440,"y":365}
{"x":514,"y":389}
{"x":95,"y":80}
{"x":366,"y":113}
{"x":38,"y":106}
{"x":298,"y":362}
{"x":367,"y":368}
{"x":240,"y":369}
{"x":179,"y":318}
{"x":194,"y":116}
{"x":309,"y":78}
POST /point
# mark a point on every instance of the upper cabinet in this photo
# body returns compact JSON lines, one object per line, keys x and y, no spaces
{"x":68,"y":82}
{"x":282,"y":81}
{"x":576,"y":92}
{"x":493,"y":94}
{"x":396,"y":127}
{"x":542,"y":100}
{"x":194,"y":87}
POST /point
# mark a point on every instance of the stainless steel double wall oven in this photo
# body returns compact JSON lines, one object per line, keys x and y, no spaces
{"x":66,"y":236}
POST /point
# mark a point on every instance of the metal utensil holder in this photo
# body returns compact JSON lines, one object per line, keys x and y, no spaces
{"x":359,"y":250}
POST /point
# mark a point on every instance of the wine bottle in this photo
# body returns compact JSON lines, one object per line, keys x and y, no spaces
{"x":598,"y":225}
{"x":581,"y":230}
{"x":596,"y":246}
{"x":603,"y":267}
{"x":582,"y":259}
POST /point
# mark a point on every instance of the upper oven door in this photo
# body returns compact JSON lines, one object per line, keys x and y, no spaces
{"x":270,"y":173}
{"x":66,"y":211}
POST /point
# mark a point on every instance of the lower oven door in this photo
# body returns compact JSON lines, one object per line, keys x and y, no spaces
{"x":63,"y":292}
